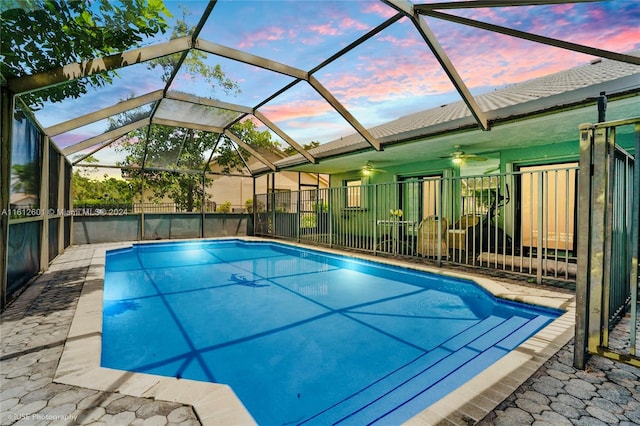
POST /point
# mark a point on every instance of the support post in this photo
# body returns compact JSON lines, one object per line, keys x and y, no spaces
{"x":69,"y":206}
{"x":60,"y":207}
{"x":44,"y":204}
{"x":273,"y":204}
{"x":600,"y":265}
{"x":6,"y":130}
{"x":607,"y":153}
{"x":583,"y":244}
{"x":255,"y":209}
{"x":541,"y":228}
{"x":635,"y":218}
{"x":204,"y":202}
{"x":142,"y":203}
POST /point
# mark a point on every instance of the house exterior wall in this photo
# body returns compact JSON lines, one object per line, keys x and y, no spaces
{"x":558,"y":150}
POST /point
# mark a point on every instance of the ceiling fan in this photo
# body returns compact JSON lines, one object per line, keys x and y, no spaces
{"x":367,"y":169}
{"x":459,"y":156}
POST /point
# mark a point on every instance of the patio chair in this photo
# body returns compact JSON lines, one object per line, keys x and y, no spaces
{"x":432,"y":235}
{"x":457,"y":235}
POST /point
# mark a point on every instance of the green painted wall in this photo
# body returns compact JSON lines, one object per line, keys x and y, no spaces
{"x":560,"y":149}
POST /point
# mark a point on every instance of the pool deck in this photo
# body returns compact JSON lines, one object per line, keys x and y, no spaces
{"x":50,"y":367}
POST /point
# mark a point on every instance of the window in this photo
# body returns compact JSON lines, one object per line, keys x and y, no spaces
{"x":420,"y":197}
{"x":547,"y":205}
{"x":478,"y":194}
{"x":353,"y":194}
{"x":479,"y":186}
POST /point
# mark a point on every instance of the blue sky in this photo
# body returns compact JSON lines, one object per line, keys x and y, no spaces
{"x":389,"y":76}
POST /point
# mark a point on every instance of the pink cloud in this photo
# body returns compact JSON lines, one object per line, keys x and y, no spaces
{"x":379,"y":9}
{"x":492,"y":15}
{"x":562,"y":9}
{"x":386,"y":78}
{"x":316,"y":125}
{"x":401,"y":42}
{"x":67,"y":139}
{"x":295,"y":110}
{"x":271,"y":33}
{"x":325,"y":30}
{"x":597,"y":14}
{"x":348,"y":22}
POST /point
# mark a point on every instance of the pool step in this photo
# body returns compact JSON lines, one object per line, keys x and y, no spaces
{"x":407,"y":391}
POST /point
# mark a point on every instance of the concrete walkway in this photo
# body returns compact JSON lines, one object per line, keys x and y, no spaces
{"x":34,"y":330}
{"x":605,"y":393}
{"x":35,"y":327}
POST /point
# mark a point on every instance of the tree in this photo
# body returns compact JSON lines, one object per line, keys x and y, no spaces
{"x":40,"y":35}
{"x":289,"y":150}
{"x":195,"y":63}
{"x":108,"y":190}
{"x":26,"y":178}
{"x":174,"y":159}
{"x":165,"y":147}
{"x":181,"y":150}
{"x":226,"y":156}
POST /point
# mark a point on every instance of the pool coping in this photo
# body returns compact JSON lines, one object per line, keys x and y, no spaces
{"x":217,"y":404}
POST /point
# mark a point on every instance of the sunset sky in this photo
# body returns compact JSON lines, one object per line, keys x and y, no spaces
{"x":389,"y":76}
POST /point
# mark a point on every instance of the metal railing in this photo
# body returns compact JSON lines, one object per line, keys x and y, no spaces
{"x":607,"y":282}
{"x":520,"y":222}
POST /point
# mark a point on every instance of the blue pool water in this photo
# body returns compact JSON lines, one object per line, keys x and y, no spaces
{"x":303,"y":337}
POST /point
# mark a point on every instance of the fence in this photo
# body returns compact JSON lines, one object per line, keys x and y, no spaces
{"x":80,"y":208}
{"x":520,"y":222}
{"x":607,"y":283}
{"x":116,"y":222}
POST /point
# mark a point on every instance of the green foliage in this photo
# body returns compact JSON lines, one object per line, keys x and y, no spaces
{"x":308,"y":220}
{"x":179,"y":149}
{"x":226,"y":156}
{"x":40,"y":35}
{"x":224,"y":207}
{"x":109,"y":190}
{"x":321,"y":207}
{"x":168,"y":147}
{"x":249,"y":205}
{"x":26,"y":178}
{"x":289,"y":150}
{"x":195,"y":63}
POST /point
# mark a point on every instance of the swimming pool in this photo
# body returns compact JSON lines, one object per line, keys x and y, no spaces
{"x":303,"y":337}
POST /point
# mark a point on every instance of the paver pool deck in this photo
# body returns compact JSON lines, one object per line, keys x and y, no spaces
{"x":50,"y":373}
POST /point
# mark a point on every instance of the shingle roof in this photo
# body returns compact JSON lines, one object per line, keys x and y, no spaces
{"x":563,"y":88}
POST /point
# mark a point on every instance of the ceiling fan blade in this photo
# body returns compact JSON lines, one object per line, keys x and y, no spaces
{"x":368,"y":169}
{"x":471,"y":157}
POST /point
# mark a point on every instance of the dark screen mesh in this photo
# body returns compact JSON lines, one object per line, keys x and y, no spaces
{"x":23,"y":254}
{"x":53,"y":238}
{"x":67,"y":186}
{"x":54,"y":178}
{"x":67,"y":231}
